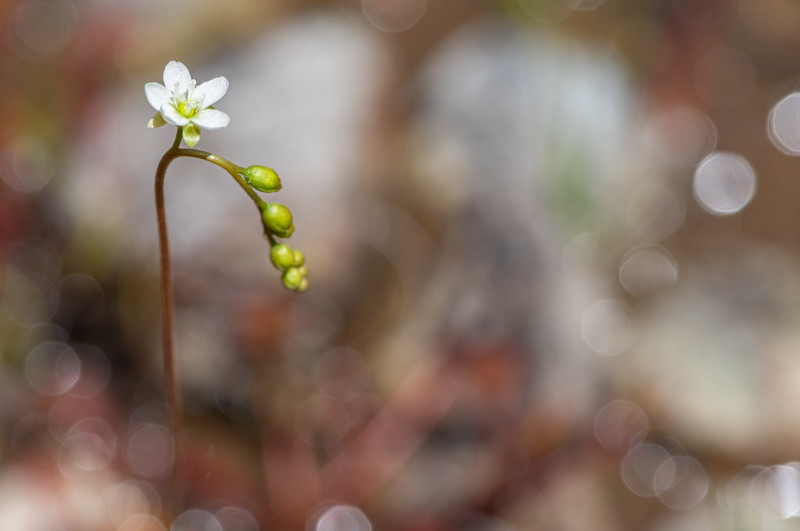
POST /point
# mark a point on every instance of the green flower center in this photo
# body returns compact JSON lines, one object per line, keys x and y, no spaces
{"x":187,"y":109}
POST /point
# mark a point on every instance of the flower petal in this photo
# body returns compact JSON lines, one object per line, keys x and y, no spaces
{"x":211,"y":91}
{"x":157,"y":95}
{"x":177,"y":78}
{"x":211,"y":119}
{"x":172,"y":116}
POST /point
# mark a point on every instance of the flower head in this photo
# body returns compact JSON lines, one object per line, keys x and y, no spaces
{"x":181,"y":102}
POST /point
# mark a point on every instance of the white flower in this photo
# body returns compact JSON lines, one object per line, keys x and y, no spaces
{"x":179,"y":101}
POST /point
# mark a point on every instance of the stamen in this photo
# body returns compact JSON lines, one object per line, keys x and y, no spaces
{"x":187,"y":109}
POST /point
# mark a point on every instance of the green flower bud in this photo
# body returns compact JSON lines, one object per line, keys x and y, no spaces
{"x":282,"y":256}
{"x":285,"y":233}
{"x":262,"y":178}
{"x":299,"y":259}
{"x":292,"y":278}
{"x":277,"y":218}
{"x":302,"y":286}
{"x":303,"y":270}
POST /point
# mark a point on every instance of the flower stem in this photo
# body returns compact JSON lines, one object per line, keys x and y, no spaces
{"x":167,"y":325}
{"x":172,"y":393}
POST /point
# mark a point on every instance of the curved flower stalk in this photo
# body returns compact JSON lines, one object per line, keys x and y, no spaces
{"x":182,"y":103}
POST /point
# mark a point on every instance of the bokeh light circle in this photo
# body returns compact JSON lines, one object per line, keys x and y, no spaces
{"x":783,"y":125}
{"x":343,"y":518}
{"x":393,"y":15}
{"x":196,"y":520}
{"x":583,"y":5}
{"x":724,"y":183}
{"x":620,"y":425}
{"x":40,"y":29}
{"x":90,"y":446}
{"x":681,"y":482}
{"x":607,"y":327}
{"x":52,"y":368}
{"x":27,"y":164}
{"x":775,"y":491}
{"x":646,"y":269}
{"x":642,"y":471}
{"x":734,"y":494}
{"x":785,"y":481}
{"x":236,"y":519}
{"x":150,"y":450}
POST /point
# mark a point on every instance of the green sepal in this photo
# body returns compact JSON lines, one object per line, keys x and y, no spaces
{"x":191,"y":134}
{"x":283,"y":234}
{"x":156,"y":121}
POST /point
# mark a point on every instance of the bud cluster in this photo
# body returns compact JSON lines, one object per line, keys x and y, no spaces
{"x":291,"y":262}
{"x":278,"y":223}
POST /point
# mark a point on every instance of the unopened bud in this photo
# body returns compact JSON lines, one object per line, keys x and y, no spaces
{"x":262,"y":178}
{"x":282,"y":256}
{"x":292,"y":278}
{"x":298,"y":258}
{"x":277,"y":218}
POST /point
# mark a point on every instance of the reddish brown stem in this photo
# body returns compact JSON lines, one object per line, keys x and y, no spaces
{"x":173,"y":397}
{"x":172,"y":391}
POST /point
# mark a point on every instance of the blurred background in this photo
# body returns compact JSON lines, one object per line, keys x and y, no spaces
{"x":553,"y":255}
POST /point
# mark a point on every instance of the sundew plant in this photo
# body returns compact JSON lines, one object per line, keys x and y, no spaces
{"x":182,"y":103}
